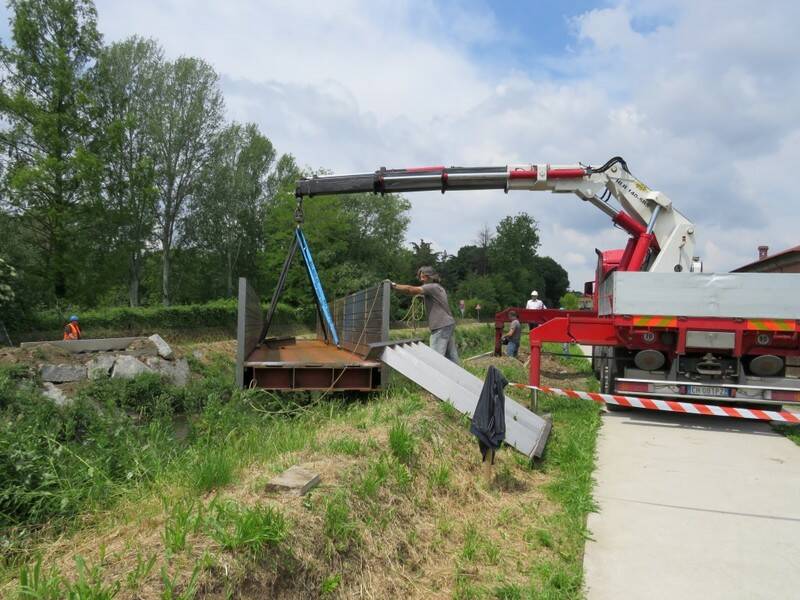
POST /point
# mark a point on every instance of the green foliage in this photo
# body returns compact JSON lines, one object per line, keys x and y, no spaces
{"x":122,"y":96}
{"x":508,"y":591}
{"x":140,"y":571}
{"x":172,"y":588}
{"x":219,"y":313}
{"x":51,"y":171}
{"x":7,"y":276}
{"x":56,"y":460}
{"x":356,"y":242}
{"x":230,"y":205}
{"x":178,"y":525}
{"x":211,"y":468}
{"x":251,"y":529}
{"x":374,"y":477}
{"x":440,"y":476}
{"x":330,"y":584}
{"x":402,"y":443}
{"x":339,"y":526}
{"x":555,"y":278}
{"x":89,"y":583}
{"x":37,"y":584}
{"x":346,"y":445}
{"x":569,"y":301}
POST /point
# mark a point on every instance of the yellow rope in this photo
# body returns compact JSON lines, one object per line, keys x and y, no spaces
{"x":415,"y":313}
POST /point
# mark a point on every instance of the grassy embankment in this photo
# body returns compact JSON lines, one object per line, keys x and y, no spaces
{"x":139,"y":490}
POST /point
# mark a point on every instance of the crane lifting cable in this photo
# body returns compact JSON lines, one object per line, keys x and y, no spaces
{"x":300,"y":242}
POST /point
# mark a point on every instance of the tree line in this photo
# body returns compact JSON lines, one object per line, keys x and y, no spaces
{"x":122,"y":183}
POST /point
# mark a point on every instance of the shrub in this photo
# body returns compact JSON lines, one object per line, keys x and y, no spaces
{"x":147,"y":319}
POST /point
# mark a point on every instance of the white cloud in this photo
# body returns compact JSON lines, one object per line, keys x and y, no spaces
{"x":699,"y":97}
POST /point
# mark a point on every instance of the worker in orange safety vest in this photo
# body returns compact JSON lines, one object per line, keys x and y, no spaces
{"x":72,"y":331}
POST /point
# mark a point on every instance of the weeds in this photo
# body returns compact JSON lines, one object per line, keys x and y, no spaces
{"x":250,"y":529}
{"x":401,"y":443}
{"x":89,"y":583}
{"x":339,"y":527}
{"x":330,"y":584}
{"x":472,"y":542}
{"x":140,"y":571}
{"x":178,"y":525}
{"x":439,"y":476}
{"x":346,"y":445}
{"x":508,"y":591}
{"x":171,"y":584}
{"x":374,"y":477}
{"x":211,"y":469}
{"x":36,"y":584}
{"x":402,"y":475}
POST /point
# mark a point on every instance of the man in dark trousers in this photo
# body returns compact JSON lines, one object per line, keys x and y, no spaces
{"x":440,"y":318}
{"x":513,"y":335}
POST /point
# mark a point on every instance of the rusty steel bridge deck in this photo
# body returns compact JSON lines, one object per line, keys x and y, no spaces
{"x":290,"y":364}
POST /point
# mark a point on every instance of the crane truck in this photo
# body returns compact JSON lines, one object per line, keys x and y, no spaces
{"x":660,"y":326}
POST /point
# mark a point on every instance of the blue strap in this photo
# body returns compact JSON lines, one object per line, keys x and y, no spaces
{"x":316,"y":283}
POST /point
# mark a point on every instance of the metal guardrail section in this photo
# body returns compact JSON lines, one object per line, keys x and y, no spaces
{"x":361,"y":318}
{"x":525,"y":430}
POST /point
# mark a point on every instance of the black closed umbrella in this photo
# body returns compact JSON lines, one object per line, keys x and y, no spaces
{"x":489,"y":419}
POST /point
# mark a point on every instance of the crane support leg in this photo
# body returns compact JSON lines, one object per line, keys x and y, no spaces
{"x":536,"y":362}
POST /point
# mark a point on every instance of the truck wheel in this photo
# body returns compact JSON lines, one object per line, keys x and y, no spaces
{"x":607,"y":377}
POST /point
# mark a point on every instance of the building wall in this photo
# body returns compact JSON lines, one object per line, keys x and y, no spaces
{"x":788,"y":264}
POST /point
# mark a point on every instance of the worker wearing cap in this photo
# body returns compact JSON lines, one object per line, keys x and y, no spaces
{"x":72,"y":331}
{"x":440,"y":318}
{"x":534,"y":304}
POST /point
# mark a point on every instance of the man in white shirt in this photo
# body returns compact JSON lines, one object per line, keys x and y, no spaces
{"x":534,"y":303}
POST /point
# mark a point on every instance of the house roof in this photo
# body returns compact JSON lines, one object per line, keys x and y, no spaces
{"x":767,"y":259}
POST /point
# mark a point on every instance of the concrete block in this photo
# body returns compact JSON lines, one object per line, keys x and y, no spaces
{"x":177,"y":371}
{"x":163,"y":348}
{"x":87,"y":345}
{"x":294,"y":480}
{"x":100,"y":366}
{"x":62,"y":373}
{"x":58,"y":397}
{"x":141,"y":347}
{"x":128,"y":367}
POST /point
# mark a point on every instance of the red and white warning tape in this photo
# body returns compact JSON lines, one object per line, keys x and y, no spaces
{"x":670,"y":405}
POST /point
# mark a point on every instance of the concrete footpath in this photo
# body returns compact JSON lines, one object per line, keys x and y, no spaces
{"x":693,"y":507}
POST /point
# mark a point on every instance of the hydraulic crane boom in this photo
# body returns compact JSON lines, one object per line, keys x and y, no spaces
{"x":662,"y":239}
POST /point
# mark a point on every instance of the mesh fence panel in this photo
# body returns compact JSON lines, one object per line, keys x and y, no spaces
{"x":361,"y":318}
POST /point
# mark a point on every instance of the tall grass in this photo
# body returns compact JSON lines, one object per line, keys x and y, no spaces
{"x":119,"y":436}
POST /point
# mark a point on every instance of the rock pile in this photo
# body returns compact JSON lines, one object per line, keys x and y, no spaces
{"x":143,"y":355}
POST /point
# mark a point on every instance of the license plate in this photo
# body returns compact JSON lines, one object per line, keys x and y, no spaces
{"x":708,"y":390}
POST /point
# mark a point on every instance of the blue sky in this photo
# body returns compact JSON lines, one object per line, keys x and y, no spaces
{"x":700,"y":97}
